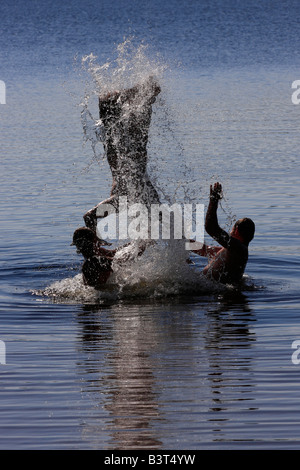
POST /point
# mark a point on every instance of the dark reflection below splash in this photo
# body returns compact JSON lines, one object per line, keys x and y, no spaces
{"x":123,"y":342}
{"x":127,"y":381}
{"x":228,"y":335}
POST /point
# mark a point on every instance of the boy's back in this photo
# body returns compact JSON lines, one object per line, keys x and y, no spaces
{"x":228,"y":262}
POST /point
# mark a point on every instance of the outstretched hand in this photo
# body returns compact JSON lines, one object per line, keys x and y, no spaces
{"x":216,"y":191}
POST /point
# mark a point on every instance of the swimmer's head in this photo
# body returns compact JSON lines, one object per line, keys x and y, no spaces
{"x":244,"y":229}
{"x":83,"y":239}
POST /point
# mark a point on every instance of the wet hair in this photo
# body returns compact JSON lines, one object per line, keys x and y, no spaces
{"x":246,"y":229}
{"x":83,"y":233}
{"x":83,"y":239}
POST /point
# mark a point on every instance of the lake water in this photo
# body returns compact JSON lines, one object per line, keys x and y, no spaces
{"x":160,"y":366}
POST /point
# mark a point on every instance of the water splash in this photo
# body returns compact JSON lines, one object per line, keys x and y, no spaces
{"x":131,"y":65}
{"x":163,"y":269}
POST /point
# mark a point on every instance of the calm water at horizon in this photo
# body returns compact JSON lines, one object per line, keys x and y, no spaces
{"x":158,"y":367}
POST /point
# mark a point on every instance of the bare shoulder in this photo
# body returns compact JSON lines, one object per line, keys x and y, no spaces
{"x":236,"y":246}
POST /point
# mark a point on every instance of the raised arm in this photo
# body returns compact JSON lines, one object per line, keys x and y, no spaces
{"x":211,"y":221}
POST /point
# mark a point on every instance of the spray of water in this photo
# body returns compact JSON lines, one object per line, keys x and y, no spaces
{"x":163,"y":269}
{"x":129,"y":67}
{"x":160,"y":273}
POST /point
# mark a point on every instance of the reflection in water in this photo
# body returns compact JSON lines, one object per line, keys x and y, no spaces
{"x":142,"y":360}
{"x":126,"y":379}
{"x":133,"y":393}
{"x":229,"y":339}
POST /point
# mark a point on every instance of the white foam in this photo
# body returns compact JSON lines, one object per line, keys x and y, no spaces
{"x":161,"y":271}
{"x":131,"y":65}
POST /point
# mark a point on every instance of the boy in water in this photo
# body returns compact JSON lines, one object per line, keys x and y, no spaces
{"x":126,"y":118}
{"x":97,"y":266}
{"x":227,"y":263}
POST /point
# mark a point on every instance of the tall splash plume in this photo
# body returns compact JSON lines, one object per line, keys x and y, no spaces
{"x":130,"y":67}
{"x":122,"y":118}
{"x":162,"y":270}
